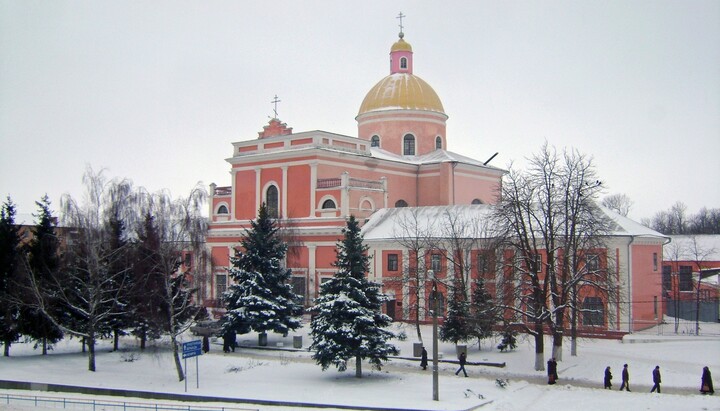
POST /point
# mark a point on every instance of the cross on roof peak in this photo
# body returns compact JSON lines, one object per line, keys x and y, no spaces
{"x":275,"y":100}
{"x":400,"y":17}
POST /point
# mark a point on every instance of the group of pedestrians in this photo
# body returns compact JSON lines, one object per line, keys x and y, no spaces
{"x":706,"y":384}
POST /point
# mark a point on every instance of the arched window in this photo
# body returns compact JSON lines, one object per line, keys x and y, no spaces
{"x":403,"y":63}
{"x":436,"y":297}
{"x":477,"y":201}
{"x":223,"y":209}
{"x":375,"y":141}
{"x":271,"y":201}
{"x":409,"y":145}
{"x":328,"y":204}
{"x":401,"y":203}
{"x":438,"y":143}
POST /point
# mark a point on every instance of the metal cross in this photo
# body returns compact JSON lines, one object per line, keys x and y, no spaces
{"x":400,"y":17}
{"x":275,"y":101}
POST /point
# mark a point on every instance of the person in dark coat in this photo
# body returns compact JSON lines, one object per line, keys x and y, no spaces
{"x":233,"y":341}
{"x":206,"y":344}
{"x":608,"y":379}
{"x":552,"y":371}
{"x":656,"y":379}
{"x":625,"y":379}
{"x":423,"y":358}
{"x":706,"y":385}
{"x":463,"y":359}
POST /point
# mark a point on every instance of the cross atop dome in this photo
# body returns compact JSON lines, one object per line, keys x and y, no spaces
{"x":400,"y":17}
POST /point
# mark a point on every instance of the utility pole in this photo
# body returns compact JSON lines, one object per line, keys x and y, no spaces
{"x":436,"y":394}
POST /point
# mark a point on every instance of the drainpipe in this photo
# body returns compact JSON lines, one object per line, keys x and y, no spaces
{"x":630,"y":310}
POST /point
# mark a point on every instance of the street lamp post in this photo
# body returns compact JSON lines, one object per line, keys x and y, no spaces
{"x":434,"y":300}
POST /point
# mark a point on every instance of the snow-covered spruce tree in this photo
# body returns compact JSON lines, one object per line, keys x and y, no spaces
{"x":457,"y":327}
{"x":9,"y":261}
{"x":347,"y":320}
{"x":483,"y":311}
{"x":261,"y":298}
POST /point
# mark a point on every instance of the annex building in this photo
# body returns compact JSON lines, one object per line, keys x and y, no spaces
{"x":396,"y":169}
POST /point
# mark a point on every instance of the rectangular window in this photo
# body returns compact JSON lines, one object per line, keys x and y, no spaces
{"x":392,"y":262}
{"x":592,"y":263}
{"x":188,"y":259}
{"x":686,"y":278}
{"x":435,"y":263}
{"x":593,"y":311}
{"x":220,"y":285}
{"x":298,"y":288}
{"x":483,"y":263}
{"x":655,"y":261}
{"x":666,"y":278}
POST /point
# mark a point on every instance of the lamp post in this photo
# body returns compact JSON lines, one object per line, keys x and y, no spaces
{"x":434,"y":301}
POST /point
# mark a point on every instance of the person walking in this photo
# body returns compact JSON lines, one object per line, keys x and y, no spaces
{"x":706,"y":385}
{"x":608,"y":379}
{"x":656,"y":379}
{"x":423,"y":359}
{"x":206,"y":344}
{"x":463,"y":359}
{"x":625,"y":378}
{"x":552,"y":371}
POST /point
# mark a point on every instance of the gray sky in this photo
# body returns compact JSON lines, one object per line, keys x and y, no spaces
{"x":156,"y":91}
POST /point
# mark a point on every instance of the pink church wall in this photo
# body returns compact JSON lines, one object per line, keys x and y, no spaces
{"x":391,"y":133}
{"x":245,"y":195}
{"x":298,"y":179}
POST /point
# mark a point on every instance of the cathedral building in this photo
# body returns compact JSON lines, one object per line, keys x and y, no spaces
{"x":397,"y":166}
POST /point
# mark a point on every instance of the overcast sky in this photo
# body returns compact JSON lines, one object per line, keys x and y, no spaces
{"x":156,"y":91}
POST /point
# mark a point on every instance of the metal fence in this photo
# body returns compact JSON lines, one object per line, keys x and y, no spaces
{"x":103,"y":405}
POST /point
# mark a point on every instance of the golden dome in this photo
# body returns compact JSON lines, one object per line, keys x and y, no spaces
{"x":401,"y":45}
{"x":401,"y":91}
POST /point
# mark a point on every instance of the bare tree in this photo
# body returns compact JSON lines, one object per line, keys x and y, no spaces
{"x":619,"y":203}
{"x":412,"y":233}
{"x":550,"y":222}
{"x":91,"y":283}
{"x":179,"y":227}
{"x":524,"y":289}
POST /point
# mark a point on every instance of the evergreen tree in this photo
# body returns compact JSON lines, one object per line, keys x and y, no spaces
{"x":347,"y":319}
{"x":9,"y":259}
{"x":43,"y":267}
{"x":261,"y":298}
{"x":484,"y":312}
{"x":457,"y":326}
{"x":147,"y":285}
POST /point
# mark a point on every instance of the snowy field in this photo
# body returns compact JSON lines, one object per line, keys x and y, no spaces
{"x":294,"y":377}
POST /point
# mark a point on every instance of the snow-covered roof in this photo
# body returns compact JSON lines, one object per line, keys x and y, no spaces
{"x":691,"y":247}
{"x":627,"y":227}
{"x":385,"y":223}
{"x":436,"y":156}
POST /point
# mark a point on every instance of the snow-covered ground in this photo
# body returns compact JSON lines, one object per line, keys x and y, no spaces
{"x":294,"y":377}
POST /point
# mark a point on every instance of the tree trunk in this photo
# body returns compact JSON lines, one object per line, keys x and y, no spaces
{"x":176,"y":356}
{"x":116,"y":339}
{"x":143,"y":338}
{"x":539,"y":347}
{"x":91,"y":352}
{"x":358,"y":367}
{"x":7,"y":349}
{"x":44,"y":346}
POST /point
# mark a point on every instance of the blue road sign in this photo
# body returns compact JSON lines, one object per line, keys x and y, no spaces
{"x":192,"y":349}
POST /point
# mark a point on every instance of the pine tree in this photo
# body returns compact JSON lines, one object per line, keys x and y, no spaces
{"x":9,"y":259}
{"x":43,"y":263}
{"x":347,"y":319}
{"x":457,"y":327}
{"x":484,"y":311}
{"x":261,"y":298}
